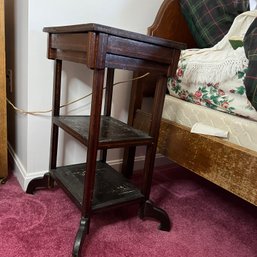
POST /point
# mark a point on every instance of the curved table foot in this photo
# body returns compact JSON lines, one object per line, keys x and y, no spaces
{"x":151,"y":211}
{"x":44,"y":182}
{"x":3,"y":180}
{"x":82,"y":231}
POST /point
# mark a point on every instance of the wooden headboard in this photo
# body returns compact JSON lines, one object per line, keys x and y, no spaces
{"x":169,"y":23}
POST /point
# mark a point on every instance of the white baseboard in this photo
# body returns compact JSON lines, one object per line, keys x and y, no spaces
{"x":24,"y":178}
{"x":20,"y":172}
{"x":117,"y":164}
{"x":139,"y":162}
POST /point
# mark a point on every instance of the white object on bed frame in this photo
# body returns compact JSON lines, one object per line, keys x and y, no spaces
{"x":201,"y":128}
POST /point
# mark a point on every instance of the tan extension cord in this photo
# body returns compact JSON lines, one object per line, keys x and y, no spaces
{"x":69,"y":103}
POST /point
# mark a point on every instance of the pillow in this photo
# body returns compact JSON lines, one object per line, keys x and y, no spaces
{"x":210,"y":20}
{"x":216,"y":77}
{"x":227,"y":95}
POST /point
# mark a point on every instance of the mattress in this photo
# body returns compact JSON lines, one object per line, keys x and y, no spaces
{"x":241,"y":131}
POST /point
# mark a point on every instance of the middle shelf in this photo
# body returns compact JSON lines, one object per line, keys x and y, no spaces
{"x":113,"y":133}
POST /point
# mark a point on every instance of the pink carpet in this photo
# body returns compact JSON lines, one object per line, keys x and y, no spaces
{"x":207,"y":222}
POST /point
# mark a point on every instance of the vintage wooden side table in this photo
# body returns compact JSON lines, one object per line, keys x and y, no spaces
{"x":94,"y":185}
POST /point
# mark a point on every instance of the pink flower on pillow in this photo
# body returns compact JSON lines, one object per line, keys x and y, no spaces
{"x":198,"y":94}
{"x":225,"y":105}
{"x":179,"y":72}
{"x":221,"y":92}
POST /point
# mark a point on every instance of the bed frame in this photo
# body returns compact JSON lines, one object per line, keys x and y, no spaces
{"x":225,"y":164}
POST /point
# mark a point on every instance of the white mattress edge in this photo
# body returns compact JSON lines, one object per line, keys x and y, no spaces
{"x":241,"y":131}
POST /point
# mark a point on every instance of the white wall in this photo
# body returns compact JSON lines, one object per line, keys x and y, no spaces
{"x":33,"y":73}
{"x":17,"y":61}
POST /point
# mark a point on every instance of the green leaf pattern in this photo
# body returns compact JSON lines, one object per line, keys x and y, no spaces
{"x":218,"y":96}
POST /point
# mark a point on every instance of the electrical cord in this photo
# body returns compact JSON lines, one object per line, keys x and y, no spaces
{"x":69,"y":103}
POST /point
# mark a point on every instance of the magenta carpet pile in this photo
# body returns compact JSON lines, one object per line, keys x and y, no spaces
{"x":207,"y":222}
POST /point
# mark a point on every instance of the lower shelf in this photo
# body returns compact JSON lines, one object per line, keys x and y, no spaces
{"x":110,"y":189}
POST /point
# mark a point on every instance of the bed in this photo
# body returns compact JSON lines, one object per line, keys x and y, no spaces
{"x":229,"y":163}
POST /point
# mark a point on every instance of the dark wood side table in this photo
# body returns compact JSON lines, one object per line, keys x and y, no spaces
{"x":94,"y":185}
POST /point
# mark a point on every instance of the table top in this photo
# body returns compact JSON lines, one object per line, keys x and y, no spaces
{"x":99,"y":28}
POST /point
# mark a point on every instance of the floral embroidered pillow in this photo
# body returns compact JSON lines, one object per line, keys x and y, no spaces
{"x":227,"y":96}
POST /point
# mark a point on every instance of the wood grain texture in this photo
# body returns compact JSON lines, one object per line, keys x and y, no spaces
{"x":3,"y":126}
{"x":169,"y":23}
{"x":225,"y":164}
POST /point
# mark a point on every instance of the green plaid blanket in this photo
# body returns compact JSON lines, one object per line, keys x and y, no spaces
{"x":210,"y":20}
{"x":250,"y":46}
